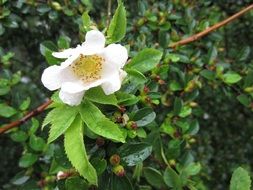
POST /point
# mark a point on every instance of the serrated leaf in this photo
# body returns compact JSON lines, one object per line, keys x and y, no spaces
{"x":98,"y":123}
{"x":76,"y":152}
{"x":60,"y":119}
{"x":240,"y":180}
{"x":145,"y":60}
{"x":117,"y":27}
{"x":97,"y":95}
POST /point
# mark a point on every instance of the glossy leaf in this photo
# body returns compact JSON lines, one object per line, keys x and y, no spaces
{"x":134,"y":153}
{"x":117,"y":27}
{"x":154,"y":177}
{"x":145,"y":60}
{"x":97,"y":95}
{"x":98,"y":123}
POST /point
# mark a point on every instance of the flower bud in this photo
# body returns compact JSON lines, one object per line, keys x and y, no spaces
{"x":172,"y":162}
{"x":146,"y":89}
{"x":61,"y":175}
{"x":122,"y":109}
{"x":131,"y":125}
{"x":56,"y":5}
{"x":100,"y":141}
{"x":119,"y":170}
{"x":115,"y":160}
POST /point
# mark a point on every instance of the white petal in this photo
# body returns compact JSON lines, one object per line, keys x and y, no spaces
{"x":116,"y":54}
{"x":52,"y":77}
{"x":64,"y":54}
{"x":72,"y":99}
{"x":78,"y":86}
{"x":73,"y":87}
{"x":112,"y":84}
{"x":94,"y":42}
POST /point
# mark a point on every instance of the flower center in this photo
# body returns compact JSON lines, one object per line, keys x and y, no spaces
{"x":88,"y":67}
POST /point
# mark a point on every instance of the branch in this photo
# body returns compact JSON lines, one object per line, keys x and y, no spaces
{"x":197,"y":36}
{"x":28,"y":116}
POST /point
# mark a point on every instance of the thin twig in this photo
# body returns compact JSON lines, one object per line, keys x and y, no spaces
{"x":28,"y":116}
{"x":197,"y":36}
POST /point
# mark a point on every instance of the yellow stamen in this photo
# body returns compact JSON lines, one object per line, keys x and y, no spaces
{"x":88,"y":67}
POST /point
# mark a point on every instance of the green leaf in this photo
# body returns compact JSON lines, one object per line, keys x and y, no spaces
{"x":172,"y":179}
{"x":145,"y":60}
{"x":136,"y":76}
{"x":4,"y":90}
{"x":37,"y":143}
{"x":243,"y":54}
{"x":86,"y":21}
{"x":210,"y":75}
{"x":75,"y":150}
{"x":126,"y":99}
{"x":6,"y":111}
{"x":76,"y":183}
{"x":192,"y":169}
{"x":46,"y":49}
{"x":25,"y":104}
{"x":231,"y":77}
{"x":19,"y":136}
{"x":60,"y":119}
{"x":244,"y":99}
{"x":144,"y":116}
{"x":134,"y":153}
{"x":63,"y":42}
{"x":154,"y":177}
{"x":186,"y":110}
{"x":117,"y":27}
{"x":98,"y":123}
{"x":27,"y":160}
{"x":240,"y":180}
{"x":120,"y":183}
{"x":97,"y":95}
{"x":99,"y":164}
{"x":178,"y":104}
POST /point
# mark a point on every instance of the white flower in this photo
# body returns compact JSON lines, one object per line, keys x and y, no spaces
{"x":88,"y":65}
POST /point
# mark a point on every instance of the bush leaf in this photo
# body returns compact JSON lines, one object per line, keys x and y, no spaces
{"x":98,"y":123}
{"x":117,"y":27}
{"x":75,"y":150}
{"x":97,"y":95}
{"x":240,"y":180}
{"x":145,"y":60}
{"x":60,"y":119}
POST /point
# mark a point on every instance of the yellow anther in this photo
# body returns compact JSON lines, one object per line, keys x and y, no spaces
{"x":88,"y":67}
